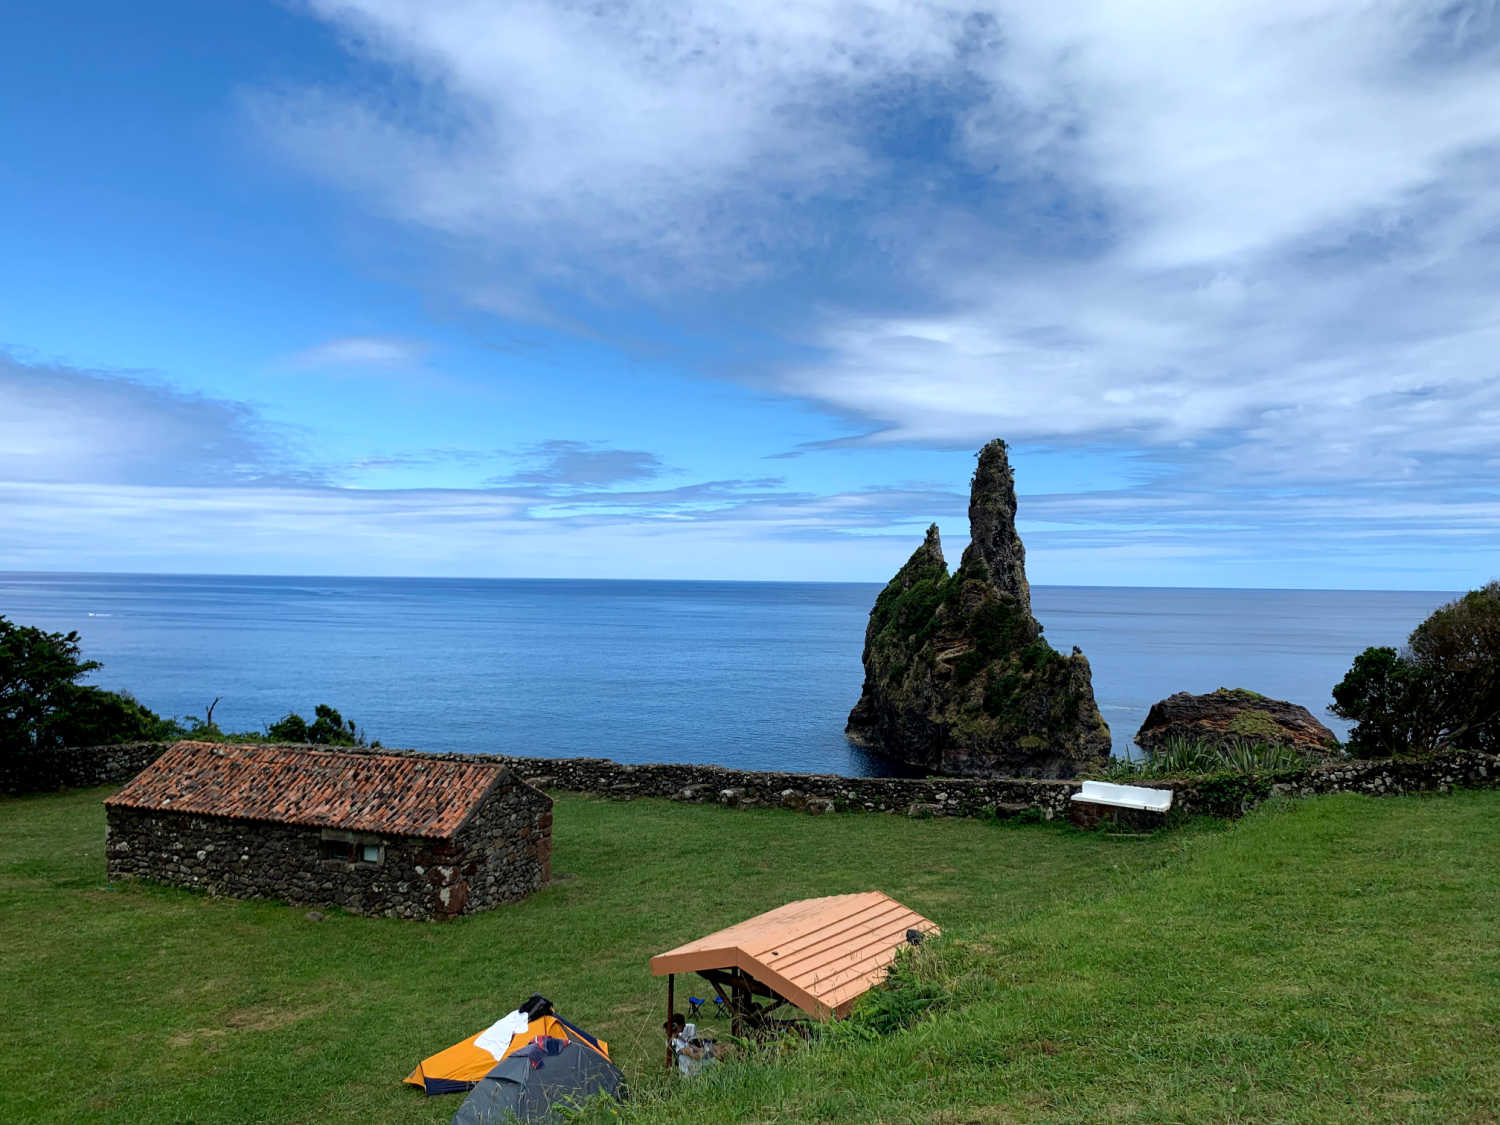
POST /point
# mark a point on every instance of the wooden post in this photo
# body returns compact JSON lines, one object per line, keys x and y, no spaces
{"x":739,"y":1024}
{"x":671,"y":999}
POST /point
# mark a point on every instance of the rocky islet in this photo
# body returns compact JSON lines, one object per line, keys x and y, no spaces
{"x":958,"y":678}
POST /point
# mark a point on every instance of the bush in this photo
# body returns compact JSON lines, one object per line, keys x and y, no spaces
{"x":1442,"y":691}
{"x":1179,"y":756}
{"x":328,"y":728}
{"x":43,"y":707}
{"x":91,"y":716}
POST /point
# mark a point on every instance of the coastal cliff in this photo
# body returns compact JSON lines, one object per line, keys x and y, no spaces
{"x":958,"y":678}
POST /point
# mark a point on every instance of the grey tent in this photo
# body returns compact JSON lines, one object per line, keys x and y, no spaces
{"x":537,"y":1082}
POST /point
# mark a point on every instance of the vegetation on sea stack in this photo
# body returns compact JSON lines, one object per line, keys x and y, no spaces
{"x":958,"y":678}
{"x":1441,"y":691}
{"x":1234,"y":717}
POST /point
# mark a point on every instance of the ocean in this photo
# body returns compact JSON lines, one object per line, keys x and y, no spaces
{"x":753,"y":675}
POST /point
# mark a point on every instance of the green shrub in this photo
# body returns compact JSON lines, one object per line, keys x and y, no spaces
{"x":1178,"y":756}
{"x":43,"y":707}
{"x":1442,"y":691}
{"x":328,"y":728}
{"x":907,"y":994}
{"x":924,"y":979}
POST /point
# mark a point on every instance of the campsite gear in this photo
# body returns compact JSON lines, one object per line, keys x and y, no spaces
{"x":694,"y":1054}
{"x":537,"y":1082}
{"x":695,"y":1004}
{"x":816,"y":954}
{"x":464,"y":1064}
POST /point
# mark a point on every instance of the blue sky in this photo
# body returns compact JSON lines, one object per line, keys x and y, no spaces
{"x":736,"y":290}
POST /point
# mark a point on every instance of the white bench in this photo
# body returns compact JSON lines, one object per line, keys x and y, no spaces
{"x":1124,"y":796}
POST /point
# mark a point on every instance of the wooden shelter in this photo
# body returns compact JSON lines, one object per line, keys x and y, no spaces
{"x":816,"y":954}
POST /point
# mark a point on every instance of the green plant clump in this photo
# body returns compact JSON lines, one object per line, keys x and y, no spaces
{"x":1180,"y":756}
{"x":1441,"y":692}
{"x":44,"y":707}
{"x":328,"y":728}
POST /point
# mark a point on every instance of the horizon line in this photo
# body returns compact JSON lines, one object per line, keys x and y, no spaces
{"x":721,"y":581}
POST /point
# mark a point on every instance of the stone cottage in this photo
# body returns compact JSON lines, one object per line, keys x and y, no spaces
{"x":375,"y":832}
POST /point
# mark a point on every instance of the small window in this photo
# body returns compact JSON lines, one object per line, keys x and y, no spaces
{"x":339,"y":849}
{"x":351,"y":851}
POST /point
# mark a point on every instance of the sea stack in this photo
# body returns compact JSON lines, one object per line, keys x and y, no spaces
{"x":958,"y":678}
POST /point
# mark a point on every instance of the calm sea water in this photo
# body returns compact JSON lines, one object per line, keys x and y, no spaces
{"x":756,"y":675}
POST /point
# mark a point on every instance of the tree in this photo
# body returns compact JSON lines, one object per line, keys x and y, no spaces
{"x":44,"y":707}
{"x":1441,"y":691}
{"x":1380,"y":694}
{"x":328,"y":728}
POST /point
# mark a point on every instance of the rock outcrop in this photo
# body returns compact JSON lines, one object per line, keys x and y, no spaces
{"x":1230,"y":715}
{"x":958,"y":679}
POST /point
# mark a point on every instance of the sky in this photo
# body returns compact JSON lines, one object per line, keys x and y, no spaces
{"x":736,"y":290}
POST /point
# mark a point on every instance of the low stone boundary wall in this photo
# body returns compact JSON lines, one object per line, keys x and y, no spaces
{"x":1221,"y":796}
{"x":812,"y":792}
{"x":1230,"y":796}
{"x":1226,"y":795}
{"x":76,"y":767}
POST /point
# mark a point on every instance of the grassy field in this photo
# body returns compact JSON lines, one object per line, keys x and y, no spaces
{"x":152,"y":1004}
{"x":1331,"y":960}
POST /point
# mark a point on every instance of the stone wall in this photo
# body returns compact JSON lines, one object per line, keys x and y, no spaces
{"x":811,"y":792}
{"x":76,"y":767}
{"x":507,"y":848}
{"x":502,"y":854}
{"x":1223,"y":796}
{"x":1231,"y":796}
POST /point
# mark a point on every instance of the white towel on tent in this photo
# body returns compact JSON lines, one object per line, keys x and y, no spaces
{"x":496,"y":1038}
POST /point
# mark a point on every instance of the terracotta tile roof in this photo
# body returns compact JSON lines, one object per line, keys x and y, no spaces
{"x":361,"y":792}
{"x":819,"y":953}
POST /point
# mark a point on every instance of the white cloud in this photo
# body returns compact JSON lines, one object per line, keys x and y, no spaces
{"x":1268,"y":226}
{"x":728,"y":532}
{"x":356,"y":352}
{"x":1253,"y":242}
{"x":662,"y":139}
{"x":62,"y":424}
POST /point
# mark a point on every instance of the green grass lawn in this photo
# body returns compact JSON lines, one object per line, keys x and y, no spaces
{"x":1336,"y":959}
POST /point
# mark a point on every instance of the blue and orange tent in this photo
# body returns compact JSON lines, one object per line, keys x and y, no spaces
{"x":462,"y":1066}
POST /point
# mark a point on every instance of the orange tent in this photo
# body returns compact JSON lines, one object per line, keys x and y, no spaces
{"x":461,"y":1066}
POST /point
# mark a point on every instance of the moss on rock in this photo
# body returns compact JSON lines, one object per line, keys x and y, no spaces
{"x":958,"y":678}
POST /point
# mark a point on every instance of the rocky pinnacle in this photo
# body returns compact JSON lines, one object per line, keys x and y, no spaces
{"x":992,"y":526}
{"x":958,"y":677}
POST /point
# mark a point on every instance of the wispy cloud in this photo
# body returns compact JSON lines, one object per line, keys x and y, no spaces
{"x":130,"y":474}
{"x":356,"y":353}
{"x":565,"y":465}
{"x":1251,"y":247}
{"x":61,"y":424}
{"x":1263,"y":228}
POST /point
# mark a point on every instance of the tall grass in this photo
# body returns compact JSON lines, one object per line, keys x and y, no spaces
{"x":1180,"y":755}
{"x":1335,"y":960}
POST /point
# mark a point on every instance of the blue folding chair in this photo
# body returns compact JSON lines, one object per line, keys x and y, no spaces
{"x":697,"y":1002}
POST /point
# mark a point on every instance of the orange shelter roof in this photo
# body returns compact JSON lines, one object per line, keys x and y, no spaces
{"x":362,"y":792}
{"x":819,"y":953}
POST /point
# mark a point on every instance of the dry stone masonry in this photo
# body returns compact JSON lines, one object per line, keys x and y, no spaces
{"x":76,"y":767}
{"x":1221,"y":796}
{"x":401,"y":835}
